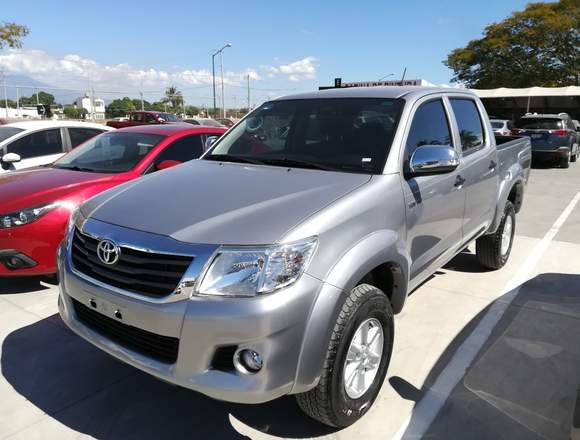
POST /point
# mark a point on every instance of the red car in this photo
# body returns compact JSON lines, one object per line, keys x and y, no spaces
{"x":144,"y":118}
{"x":35,"y":204}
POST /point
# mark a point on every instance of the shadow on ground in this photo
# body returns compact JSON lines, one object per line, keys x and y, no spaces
{"x":524,"y":381}
{"x":17,"y":285}
{"x":92,"y":393}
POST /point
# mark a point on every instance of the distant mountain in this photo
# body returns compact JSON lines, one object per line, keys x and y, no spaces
{"x":28,"y":87}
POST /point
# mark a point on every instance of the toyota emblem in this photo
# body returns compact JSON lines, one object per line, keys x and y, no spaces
{"x":108,"y":252}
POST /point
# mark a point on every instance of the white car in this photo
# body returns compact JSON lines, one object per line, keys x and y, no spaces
{"x":33,"y":143}
{"x":501,"y":127}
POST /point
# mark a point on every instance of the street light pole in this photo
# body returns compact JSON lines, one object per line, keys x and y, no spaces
{"x":222,"y":76}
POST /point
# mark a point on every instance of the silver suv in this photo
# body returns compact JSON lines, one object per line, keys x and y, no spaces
{"x":274,"y":265}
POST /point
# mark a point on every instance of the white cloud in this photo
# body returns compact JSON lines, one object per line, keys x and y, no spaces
{"x":297,"y":71}
{"x":75,"y":72}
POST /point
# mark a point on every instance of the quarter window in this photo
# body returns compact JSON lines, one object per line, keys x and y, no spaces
{"x":469,"y":123}
{"x":40,"y":143}
{"x":80,"y":135}
{"x":429,"y":127}
{"x":182,"y":150}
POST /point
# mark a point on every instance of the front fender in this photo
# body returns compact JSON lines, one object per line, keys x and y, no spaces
{"x":372,"y":251}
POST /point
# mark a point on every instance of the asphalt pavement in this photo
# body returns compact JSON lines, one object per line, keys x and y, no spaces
{"x":479,"y":355}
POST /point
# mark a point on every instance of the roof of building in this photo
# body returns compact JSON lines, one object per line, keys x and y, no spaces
{"x":504,"y":92}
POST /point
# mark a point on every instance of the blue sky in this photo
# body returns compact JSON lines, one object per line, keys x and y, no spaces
{"x":285,"y":46}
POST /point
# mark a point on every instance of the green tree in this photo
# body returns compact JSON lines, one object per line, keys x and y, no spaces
{"x":72,"y":112}
{"x":121,"y":107}
{"x":11,"y":35}
{"x":173,"y":97}
{"x":539,"y":46}
{"x":191,"y":110}
{"x":43,"y":98}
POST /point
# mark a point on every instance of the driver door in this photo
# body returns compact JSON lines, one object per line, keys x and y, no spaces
{"x":434,"y":204}
{"x":39,"y":148}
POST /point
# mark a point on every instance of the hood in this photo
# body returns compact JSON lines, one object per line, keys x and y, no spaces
{"x":213,"y":203}
{"x":29,"y":188}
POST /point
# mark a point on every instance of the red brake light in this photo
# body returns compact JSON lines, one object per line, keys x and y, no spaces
{"x":560,"y":132}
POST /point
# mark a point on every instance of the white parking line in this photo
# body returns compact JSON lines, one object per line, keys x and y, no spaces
{"x":428,"y":407}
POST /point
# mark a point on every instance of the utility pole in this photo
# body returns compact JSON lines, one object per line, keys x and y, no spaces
{"x":5,"y":94}
{"x":248,"y":93}
{"x":222,"y":74}
{"x":37,"y":98}
{"x":141,"y":93}
{"x":213,"y":80}
{"x":220,"y":52}
{"x":17,"y":101}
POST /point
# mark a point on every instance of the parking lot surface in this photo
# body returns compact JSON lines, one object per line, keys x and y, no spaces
{"x":480,"y":355}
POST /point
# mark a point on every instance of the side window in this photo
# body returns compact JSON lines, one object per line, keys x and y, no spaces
{"x":80,"y":135}
{"x":40,"y":143}
{"x":182,"y":150}
{"x":137,"y":117}
{"x":148,"y":118}
{"x":429,"y":127}
{"x":469,"y":123}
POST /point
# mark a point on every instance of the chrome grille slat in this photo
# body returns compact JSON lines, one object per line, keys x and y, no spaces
{"x":150,"y":274}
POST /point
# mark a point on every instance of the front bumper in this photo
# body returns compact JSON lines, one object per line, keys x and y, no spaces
{"x":37,"y":242}
{"x":273,"y":325}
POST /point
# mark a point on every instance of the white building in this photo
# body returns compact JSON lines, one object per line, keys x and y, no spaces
{"x":87,"y":103}
{"x":19,"y":113}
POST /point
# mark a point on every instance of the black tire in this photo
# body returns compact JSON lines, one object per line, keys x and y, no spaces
{"x":565,"y":161}
{"x":488,"y":247}
{"x":328,"y":402}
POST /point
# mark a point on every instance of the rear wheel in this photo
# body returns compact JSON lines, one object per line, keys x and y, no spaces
{"x":493,"y":251}
{"x":565,"y":161}
{"x":574,"y":156}
{"x":356,"y":360}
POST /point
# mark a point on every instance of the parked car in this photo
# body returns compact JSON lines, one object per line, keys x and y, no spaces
{"x":143,"y":118}
{"x":204,"y":121}
{"x":554,"y":137}
{"x":274,"y":264}
{"x":226,"y":122}
{"x":33,"y":143}
{"x":35,"y":204}
{"x":502,"y":127}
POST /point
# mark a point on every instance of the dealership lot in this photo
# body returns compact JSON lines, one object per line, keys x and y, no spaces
{"x":484,"y":353}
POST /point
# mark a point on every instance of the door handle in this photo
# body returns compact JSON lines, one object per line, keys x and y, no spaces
{"x":492,"y":165}
{"x":459,"y":181}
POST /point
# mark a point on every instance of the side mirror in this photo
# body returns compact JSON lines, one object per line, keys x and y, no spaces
{"x":210,"y":141}
{"x":433,"y":159}
{"x":164,"y":164}
{"x":11,"y":158}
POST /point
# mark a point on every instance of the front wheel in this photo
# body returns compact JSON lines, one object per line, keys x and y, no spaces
{"x":356,"y":360}
{"x":494,"y":250}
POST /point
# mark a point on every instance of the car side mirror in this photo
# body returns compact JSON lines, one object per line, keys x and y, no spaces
{"x":210,"y":141}
{"x":433,"y":159}
{"x":11,"y":158}
{"x":164,"y":164}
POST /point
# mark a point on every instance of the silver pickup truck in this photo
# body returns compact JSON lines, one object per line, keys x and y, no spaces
{"x":274,"y":264}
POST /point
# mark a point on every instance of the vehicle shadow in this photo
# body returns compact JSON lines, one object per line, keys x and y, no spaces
{"x":465,"y":261}
{"x":17,"y":285}
{"x":523,"y":382}
{"x":94,"y":394}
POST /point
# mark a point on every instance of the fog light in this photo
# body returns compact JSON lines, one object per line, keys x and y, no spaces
{"x":251,"y":361}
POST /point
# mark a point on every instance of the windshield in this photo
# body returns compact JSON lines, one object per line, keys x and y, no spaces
{"x":169,"y":117}
{"x":497,"y":124}
{"x":540,"y":123}
{"x":110,"y":152}
{"x":6,"y":132}
{"x":352,"y":134}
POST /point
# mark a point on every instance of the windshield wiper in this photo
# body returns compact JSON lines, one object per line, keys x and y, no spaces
{"x":233,"y":158}
{"x":74,"y":168}
{"x":298,"y":164}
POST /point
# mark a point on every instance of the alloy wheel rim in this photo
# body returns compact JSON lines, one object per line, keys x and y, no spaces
{"x":363,"y":358}
{"x":506,"y":236}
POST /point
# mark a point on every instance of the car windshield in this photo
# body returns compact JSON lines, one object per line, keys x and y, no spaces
{"x":169,"y":117}
{"x":352,"y":134}
{"x":6,"y":132}
{"x":540,"y":123}
{"x":497,"y":124}
{"x":113,"y":152}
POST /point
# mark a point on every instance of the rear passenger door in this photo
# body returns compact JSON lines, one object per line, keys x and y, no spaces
{"x":78,"y":135}
{"x":434,"y":204}
{"x":478,"y":165}
{"x":38,"y":148}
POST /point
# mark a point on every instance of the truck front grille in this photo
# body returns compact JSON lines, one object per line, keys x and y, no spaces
{"x":161,"y":348}
{"x":146,"y":273}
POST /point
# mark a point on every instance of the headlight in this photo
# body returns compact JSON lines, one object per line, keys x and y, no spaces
{"x":254,"y":271}
{"x":25,"y":216}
